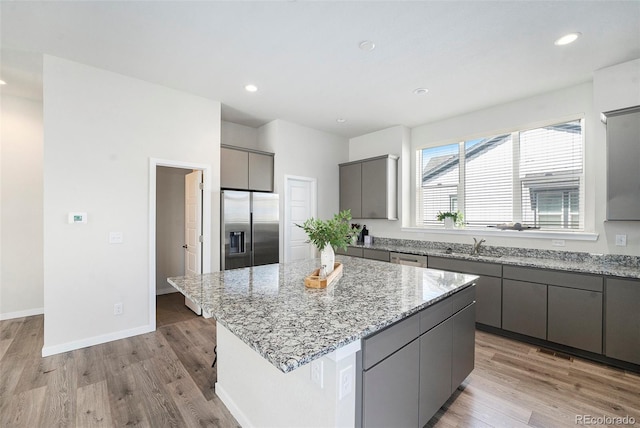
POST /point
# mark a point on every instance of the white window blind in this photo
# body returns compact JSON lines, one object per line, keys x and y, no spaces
{"x":533,"y":177}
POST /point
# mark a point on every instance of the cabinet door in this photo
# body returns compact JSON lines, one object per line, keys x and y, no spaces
{"x":575,"y":318}
{"x":489,"y":301}
{"x":391,"y":388}
{"x":435,"y":369}
{"x":260,"y":172}
{"x":464,"y":345}
{"x":623,"y":159}
{"x":351,"y":189}
{"x":374,"y":188}
{"x":524,"y":308}
{"x":234,"y":169}
{"x":622,"y":320}
{"x":370,"y":253}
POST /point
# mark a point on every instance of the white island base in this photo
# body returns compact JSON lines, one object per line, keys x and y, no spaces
{"x":259,"y":395}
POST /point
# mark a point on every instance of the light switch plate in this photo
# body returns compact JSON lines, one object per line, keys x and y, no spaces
{"x":116,"y":238}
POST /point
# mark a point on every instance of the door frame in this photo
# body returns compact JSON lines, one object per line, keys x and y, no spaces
{"x":206,"y":223}
{"x":314,"y":207}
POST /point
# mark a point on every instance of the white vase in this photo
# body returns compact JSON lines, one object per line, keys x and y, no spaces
{"x":327,"y":258}
{"x":448,"y":223}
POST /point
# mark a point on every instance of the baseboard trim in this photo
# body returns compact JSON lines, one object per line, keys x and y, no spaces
{"x":242,"y":419}
{"x":21,"y":314}
{"x":96,"y":340}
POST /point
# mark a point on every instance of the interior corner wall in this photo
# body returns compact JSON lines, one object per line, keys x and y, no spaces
{"x":21,"y":243}
{"x":100,"y":131}
{"x":305,"y":152}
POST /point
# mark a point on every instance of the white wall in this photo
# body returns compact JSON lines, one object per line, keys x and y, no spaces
{"x":234,"y":134}
{"x":305,"y":152}
{"x":21,"y":243}
{"x":100,"y":130}
{"x":170,"y":226}
{"x":613,"y":87}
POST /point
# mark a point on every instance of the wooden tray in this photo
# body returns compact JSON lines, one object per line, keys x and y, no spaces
{"x":314,"y":281}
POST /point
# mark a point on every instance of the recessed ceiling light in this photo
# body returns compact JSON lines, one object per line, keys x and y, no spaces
{"x":367,"y":45}
{"x":341,"y":120}
{"x":566,"y":39}
{"x":251,"y":88}
{"x":420,"y":91}
{"x":2,"y":82}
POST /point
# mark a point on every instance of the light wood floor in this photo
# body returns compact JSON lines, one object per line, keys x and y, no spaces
{"x":164,"y":379}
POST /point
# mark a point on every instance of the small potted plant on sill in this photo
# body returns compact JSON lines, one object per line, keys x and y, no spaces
{"x":450,"y":218}
{"x":327,"y":235}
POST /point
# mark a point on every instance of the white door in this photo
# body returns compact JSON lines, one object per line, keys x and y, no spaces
{"x":193,"y":229}
{"x":300,"y":204}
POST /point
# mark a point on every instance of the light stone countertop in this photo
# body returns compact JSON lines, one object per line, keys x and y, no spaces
{"x":270,"y":309}
{"x":596,"y":264}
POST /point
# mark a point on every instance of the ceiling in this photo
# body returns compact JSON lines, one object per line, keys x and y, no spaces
{"x":304,"y":56}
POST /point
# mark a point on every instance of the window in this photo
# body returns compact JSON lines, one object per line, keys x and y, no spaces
{"x":533,"y":177}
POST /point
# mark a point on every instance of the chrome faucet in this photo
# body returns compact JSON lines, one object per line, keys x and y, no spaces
{"x":476,"y":246}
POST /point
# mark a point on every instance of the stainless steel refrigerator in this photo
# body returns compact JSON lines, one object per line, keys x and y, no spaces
{"x":250,"y":234}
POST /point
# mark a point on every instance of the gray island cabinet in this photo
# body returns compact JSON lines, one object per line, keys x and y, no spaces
{"x":292,"y":356}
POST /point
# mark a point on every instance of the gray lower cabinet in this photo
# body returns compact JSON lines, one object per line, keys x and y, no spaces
{"x":524,"y":308}
{"x":435,"y":369}
{"x":622,"y":320}
{"x":391,"y":390}
{"x":373,"y":254}
{"x":411,"y":368}
{"x":488,"y":286}
{"x":575,"y":318}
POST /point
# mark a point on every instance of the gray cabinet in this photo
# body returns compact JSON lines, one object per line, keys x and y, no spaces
{"x":622,"y":320}
{"x":373,"y":254}
{"x":623,"y":164}
{"x":575,"y":318}
{"x":243,"y":169}
{"x":524,"y":308}
{"x":391,"y":390}
{"x":488,"y":286}
{"x":412,"y":367}
{"x":368,"y":187}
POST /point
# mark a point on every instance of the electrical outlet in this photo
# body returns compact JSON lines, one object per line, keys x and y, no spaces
{"x":346,"y":382}
{"x":117,"y":309}
{"x":317,"y":373}
{"x":621,"y":240}
{"x":557,"y":242}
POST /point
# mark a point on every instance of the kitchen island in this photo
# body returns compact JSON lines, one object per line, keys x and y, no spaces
{"x":270,"y":327}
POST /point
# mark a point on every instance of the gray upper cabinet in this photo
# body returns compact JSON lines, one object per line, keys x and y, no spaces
{"x":351,"y":189}
{"x":623,"y":164}
{"x":369,"y":187}
{"x":243,"y":169}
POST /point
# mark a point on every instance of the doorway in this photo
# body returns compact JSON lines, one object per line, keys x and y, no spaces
{"x":159,"y":170}
{"x":300,"y":203}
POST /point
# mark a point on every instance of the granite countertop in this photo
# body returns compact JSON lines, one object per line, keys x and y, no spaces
{"x":597,"y":264}
{"x":269,"y":308}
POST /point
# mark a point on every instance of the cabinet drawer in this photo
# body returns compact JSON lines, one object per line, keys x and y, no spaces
{"x":553,"y":277}
{"x":385,"y":342}
{"x":370,"y":253}
{"x":464,"y":266}
{"x":434,"y":315}
{"x":354,"y":251}
{"x":463,"y":298}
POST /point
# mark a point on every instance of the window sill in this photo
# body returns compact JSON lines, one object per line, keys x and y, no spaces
{"x":528,"y":234}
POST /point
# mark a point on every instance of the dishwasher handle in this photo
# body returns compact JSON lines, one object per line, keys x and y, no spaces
{"x":408,"y":259}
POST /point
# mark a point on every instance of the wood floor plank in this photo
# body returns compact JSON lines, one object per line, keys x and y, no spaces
{"x":93,"y":408}
{"x":59,"y":408}
{"x":195,"y":409}
{"x":125,"y":398}
{"x":23,"y":409}
{"x":10,"y":373}
{"x":28,"y":340}
{"x":170,"y":367}
{"x":90,"y":365}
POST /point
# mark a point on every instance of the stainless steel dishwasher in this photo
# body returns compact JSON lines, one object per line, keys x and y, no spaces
{"x":408,"y":259}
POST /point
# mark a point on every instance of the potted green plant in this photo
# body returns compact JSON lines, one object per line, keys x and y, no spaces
{"x":450,"y":218}
{"x":328,"y":235}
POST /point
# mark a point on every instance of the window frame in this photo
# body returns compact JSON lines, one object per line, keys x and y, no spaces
{"x":581,"y":233}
